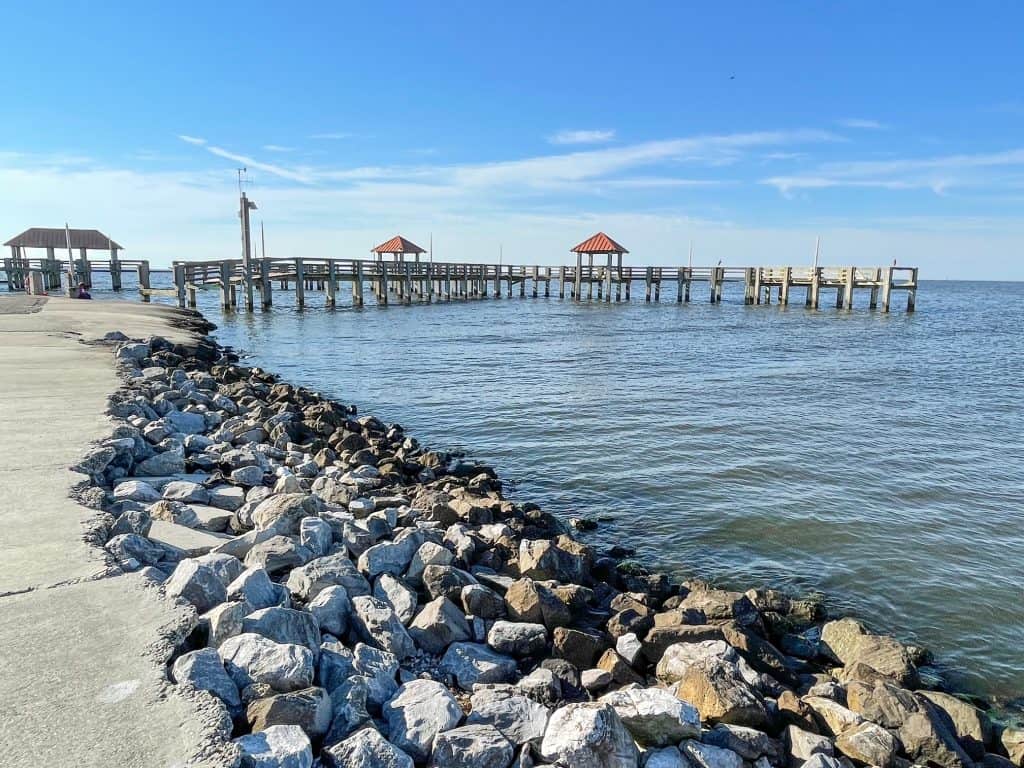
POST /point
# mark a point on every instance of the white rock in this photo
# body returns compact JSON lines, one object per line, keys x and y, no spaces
{"x":332,"y":609}
{"x":316,"y":535}
{"x":472,"y":663}
{"x":707,"y":756}
{"x":628,"y":646}
{"x":136,"y":490}
{"x":365,"y":749}
{"x":250,"y":658}
{"x":204,"y":670}
{"x":666,"y":757}
{"x":471,"y":746}
{"x":588,"y":735}
{"x":399,"y":595}
{"x":519,"y":718}
{"x":654,"y":716}
{"x":418,"y":712}
{"x":254,"y":586}
{"x":197,"y":583}
{"x":377,"y":624}
{"x":428,"y":553}
{"x":279,"y":746}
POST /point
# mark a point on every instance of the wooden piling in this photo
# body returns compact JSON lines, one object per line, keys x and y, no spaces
{"x":648,"y":278}
{"x":851,"y":279}
{"x":912,"y":292}
{"x":144,"y":285}
{"x":332,"y":284}
{"x":787,"y":278}
{"x":300,"y":286}
{"x":179,"y":282}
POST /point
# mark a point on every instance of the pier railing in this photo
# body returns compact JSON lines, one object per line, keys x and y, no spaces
{"x":406,"y":282}
{"x":55,"y":273}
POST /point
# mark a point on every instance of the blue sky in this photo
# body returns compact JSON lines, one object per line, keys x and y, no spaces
{"x":890,"y":130}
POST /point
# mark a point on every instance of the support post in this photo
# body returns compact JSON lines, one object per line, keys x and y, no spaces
{"x":266,"y":285}
{"x":578,"y":278}
{"x":144,"y":285}
{"x":590,"y":277}
{"x":179,"y":282}
{"x":84,"y":269}
{"x":912,"y":292}
{"x":115,"y":269}
{"x":407,"y":295}
{"x":547,"y":282}
{"x":225,"y":285}
{"x":886,"y":288}
{"x":536,"y":280}
{"x":629,"y":281}
{"x":608,"y":281}
{"x":300,"y":284}
{"x":851,"y":279}
{"x":647,"y":280}
{"x":383,"y":298}
{"x":561,"y":282}
{"x":657,"y":286}
{"x":332,"y":284}
{"x":787,"y":277}
{"x":757,"y":285}
{"x":522,"y":283}
{"x":357,"y":286}
{"x":873,"y":300}
{"x":815,"y":286}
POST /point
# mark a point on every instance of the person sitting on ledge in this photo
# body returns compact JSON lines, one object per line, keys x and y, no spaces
{"x":82,"y":292}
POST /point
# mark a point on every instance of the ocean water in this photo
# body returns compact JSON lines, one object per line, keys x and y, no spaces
{"x":876,"y":459}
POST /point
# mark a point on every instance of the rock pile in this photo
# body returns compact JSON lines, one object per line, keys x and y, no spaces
{"x":363,"y":601}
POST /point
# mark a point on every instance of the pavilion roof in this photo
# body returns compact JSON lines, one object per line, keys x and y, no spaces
{"x":599,"y":243}
{"x":398,"y":244}
{"x":57,"y":237}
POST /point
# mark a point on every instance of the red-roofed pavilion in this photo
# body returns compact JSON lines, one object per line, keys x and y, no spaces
{"x":598,"y":244}
{"x":398,"y":247}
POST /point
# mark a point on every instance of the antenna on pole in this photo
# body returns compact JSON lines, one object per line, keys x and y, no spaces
{"x":690,"y":263}
{"x":263,"y":241}
{"x":817,"y":250}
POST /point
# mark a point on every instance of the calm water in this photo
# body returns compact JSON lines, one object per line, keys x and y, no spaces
{"x":877,"y":459}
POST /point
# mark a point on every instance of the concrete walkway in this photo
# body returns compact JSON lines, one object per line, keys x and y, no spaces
{"x":81,"y":653}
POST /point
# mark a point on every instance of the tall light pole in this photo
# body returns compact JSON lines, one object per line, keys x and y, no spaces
{"x":244,"y":206}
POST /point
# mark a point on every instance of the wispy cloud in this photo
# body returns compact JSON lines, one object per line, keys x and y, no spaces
{"x":581,"y":137}
{"x":331,"y":135}
{"x":939,"y":174}
{"x":277,"y":148}
{"x":859,"y":122}
{"x":249,"y":162}
{"x":191,"y":139}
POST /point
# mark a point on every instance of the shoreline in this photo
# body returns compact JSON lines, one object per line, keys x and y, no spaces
{"x":742,"y":657}
{"x":562,"y":614}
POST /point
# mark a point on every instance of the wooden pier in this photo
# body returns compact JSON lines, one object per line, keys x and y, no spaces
{"x":408,"y":282}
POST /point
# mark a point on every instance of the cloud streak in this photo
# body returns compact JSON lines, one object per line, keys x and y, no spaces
{"x":861,"y":123}
{"x":581,"y":137}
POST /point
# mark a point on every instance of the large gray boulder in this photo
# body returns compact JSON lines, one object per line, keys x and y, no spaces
{"x":332,"y":608}
{"x":307,"y":582}
{"x":136,"y":490}
{"x":365,"y":749}
{"x":654,"y":716}
{"x":186,"y":492}
{"x":517,"y":638}
{"x":255,"y":587}
{"x":708,"y":756}
{"x":711,"y":676}
{"x":284,"y":511}
{"x":223,"y":621}
{"x":197,"y":583}
{"x":250,"y":658}
{"x":277,"y":554}
{"x":377,"y":624}
{"x":349,"y":707}
{"x":308,"y":708}
{"x":399,"y":595}
{"x":285,"y":625}
{"x":472,"y":746}
{"x":563,"y":559}
{"x":966,"y":721}
{"x":280,"y":746}
{"x":380,"y":669}
{"x":473,"y":663}
{"x":204,"y":670}
{"x":849,"y":643}
{"x":439,"y":624}
{"x":588,"y":735}
{"x":869,"y":744}
{"x":429,"y":553}
{"x":418,"y":712}
{"x":162,"y":464}
{"x":316,"y":535}
{"x":519,"y":718}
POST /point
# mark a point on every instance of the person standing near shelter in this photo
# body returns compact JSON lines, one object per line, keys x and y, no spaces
{"x":82,"y":292}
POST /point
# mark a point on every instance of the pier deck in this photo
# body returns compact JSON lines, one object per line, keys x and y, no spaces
{"x":406,"y":282}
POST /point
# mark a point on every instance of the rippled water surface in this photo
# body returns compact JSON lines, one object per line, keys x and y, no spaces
{"x":876,"y":458}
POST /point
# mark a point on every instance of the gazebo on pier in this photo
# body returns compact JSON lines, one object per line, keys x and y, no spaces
{"x":598,"y":244}
{"x":55,"y":239}
{"x":398,"y":247}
